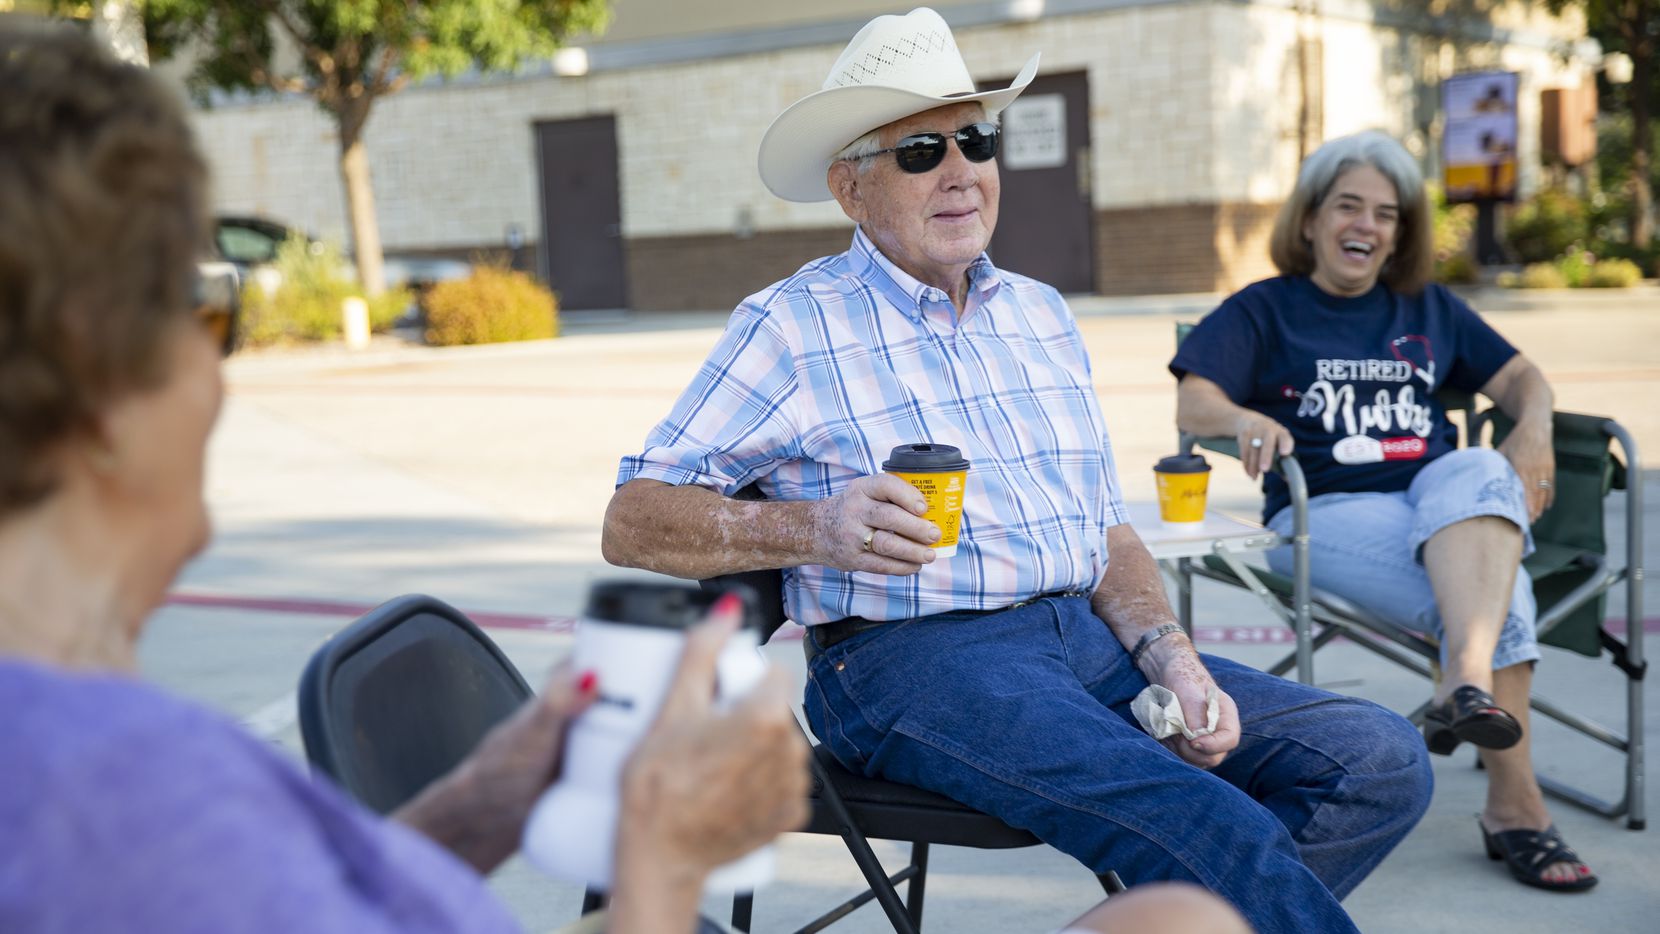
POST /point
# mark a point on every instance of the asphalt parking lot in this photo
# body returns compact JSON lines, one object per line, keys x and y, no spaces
{"x":480,"y":475}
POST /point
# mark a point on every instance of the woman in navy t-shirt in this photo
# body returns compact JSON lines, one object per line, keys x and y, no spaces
{"x":1340,"y":359}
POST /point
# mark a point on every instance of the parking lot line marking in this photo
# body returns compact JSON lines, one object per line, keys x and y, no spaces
{"x":273,"y":719}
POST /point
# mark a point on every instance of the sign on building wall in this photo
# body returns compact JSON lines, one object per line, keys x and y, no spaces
{"x":1034,"y":133}
{"x":1478,"y":137}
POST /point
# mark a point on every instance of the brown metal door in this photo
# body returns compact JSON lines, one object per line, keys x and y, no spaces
{"x":1044,"y":223}
{"x":582,"y":247}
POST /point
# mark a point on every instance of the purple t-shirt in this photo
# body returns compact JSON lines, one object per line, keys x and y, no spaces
{"x":124,"y":809}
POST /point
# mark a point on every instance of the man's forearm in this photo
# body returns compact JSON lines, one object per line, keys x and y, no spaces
{"x":1130,"y":599}
{"x":694,"y":533}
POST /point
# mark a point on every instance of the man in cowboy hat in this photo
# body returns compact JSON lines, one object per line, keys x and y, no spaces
{"x":987,"y":675}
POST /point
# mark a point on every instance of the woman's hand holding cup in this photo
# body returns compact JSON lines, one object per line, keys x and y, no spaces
{"x":703,"y":787}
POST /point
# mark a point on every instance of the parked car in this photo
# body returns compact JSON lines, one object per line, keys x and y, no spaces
{"x":250,"y":244}
{"x":219,"y":289}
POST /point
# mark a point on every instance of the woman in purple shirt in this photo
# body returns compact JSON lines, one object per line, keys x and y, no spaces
{"x":122,"y":808}
{"x":1339,"y":359}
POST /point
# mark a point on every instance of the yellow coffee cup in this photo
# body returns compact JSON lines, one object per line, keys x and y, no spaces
{"x":1182,"y":480}
{"x":940,"y":473}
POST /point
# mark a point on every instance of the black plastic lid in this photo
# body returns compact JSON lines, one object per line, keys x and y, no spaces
{"x":660,"y":604}
{"x":1182,"y":463}
{"x":923,"y":458}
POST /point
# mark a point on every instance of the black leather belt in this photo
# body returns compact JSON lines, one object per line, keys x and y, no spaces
{"x":824,"y":635}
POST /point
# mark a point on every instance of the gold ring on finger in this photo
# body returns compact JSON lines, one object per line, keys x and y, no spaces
{"x":870,"y":535}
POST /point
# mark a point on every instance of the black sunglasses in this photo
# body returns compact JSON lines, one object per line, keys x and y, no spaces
{"x":219,"y":303}
{"x":923,"y":152}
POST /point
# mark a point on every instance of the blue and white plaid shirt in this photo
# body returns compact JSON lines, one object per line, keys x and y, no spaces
{"x":819,"y":377}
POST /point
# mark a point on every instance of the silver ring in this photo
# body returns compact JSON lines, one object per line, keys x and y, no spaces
{"x":1544,"y":484}
{"x":869,"y":536}
{"x":1256,"y":442}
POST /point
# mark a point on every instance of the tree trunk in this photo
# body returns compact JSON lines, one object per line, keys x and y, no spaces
{"x":360,"y":196}
{"x":1642,"y":146}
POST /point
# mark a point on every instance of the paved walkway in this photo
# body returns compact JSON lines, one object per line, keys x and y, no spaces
{"x":481,"y":475}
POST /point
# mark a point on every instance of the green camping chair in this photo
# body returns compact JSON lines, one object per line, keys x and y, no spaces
{"x":1571,"y":569}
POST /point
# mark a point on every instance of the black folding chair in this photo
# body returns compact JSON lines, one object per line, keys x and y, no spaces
{"x":402,"y":695}
{"x":859,"y":809}
{"x":1572,"y":571}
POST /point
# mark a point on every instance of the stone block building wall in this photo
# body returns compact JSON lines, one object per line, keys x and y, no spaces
{"x":1195,"y":111}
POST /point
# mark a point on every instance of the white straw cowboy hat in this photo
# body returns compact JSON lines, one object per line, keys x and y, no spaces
{"x":895,"y":67}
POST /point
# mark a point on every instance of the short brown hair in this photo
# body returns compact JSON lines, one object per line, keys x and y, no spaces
{"x":102,"y":217}
{"x":1409,"y":268}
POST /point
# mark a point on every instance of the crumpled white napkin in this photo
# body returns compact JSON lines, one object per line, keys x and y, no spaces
{"x":1160,"y":713}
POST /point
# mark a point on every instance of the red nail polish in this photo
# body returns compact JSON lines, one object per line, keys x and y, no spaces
{"x":728,"y":603}
{"x":588,"y":681}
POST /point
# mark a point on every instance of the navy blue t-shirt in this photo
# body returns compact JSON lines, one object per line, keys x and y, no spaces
{"x":1354,"y":379}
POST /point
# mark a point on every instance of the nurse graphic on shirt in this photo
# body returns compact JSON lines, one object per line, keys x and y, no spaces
{"x":1340,"y":359}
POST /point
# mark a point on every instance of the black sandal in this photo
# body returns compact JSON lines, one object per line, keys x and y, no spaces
{"x":1528,"y":853}
{"x":1469,"y":716}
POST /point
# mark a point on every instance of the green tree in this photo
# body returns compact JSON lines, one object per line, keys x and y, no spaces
{"x":347,"y":54}
{"x":1632,"y":27}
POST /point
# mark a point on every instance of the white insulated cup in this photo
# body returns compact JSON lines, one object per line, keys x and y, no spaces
{"x":631,"y":636}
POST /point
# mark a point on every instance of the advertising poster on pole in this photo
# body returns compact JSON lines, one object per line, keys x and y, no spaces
{"x":1478,"y":138}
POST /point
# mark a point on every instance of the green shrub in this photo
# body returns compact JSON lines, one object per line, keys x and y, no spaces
{"x":493,"y":304}
{"x":1452,"y":225}
{"x":1537,"y":276}
{"x":1647,"y":260}
{"x":306,"y":305}
{"x":1614,"y":274}
{"x":1457,"y":269}
{"x":1547,"y":226}
{"x":1575,"y":267}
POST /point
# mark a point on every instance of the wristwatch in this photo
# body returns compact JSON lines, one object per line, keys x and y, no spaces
{"x":1148,"y":638}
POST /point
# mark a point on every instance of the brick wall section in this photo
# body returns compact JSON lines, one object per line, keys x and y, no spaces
{"x":1167,"y":248}
{"x":1192,"y":110}
{"x":1242,"y":232}
{"x":1182,"y":248}
{"x":716,"y":272}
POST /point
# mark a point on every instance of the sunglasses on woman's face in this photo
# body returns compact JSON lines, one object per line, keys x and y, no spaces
{"x":923,"y":152}
{"x":217,"y":305}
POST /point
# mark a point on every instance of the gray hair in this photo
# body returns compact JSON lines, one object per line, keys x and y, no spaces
{"x":862,"y":149}
{"x":1413,"y":260}
{"x":1371,"y":147}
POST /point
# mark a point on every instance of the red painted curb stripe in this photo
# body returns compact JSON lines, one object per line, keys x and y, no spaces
{"x":1262,"y":635}
{"x":339,"y":608}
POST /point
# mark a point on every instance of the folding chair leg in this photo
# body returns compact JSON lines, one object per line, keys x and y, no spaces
{"x":743,"y":910}
{"x":914,"y":889}
{"x":1111,"y":884}
{"x":1636,"y":817}
{"x":880,"y":885}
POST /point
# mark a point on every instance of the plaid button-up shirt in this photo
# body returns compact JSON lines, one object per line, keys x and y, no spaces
{"x":819,"y":377}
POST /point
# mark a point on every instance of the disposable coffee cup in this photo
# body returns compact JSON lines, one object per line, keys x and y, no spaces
{"x":1182,"y":480}
{"x":940,"y":473}
{"x":632,"y":635}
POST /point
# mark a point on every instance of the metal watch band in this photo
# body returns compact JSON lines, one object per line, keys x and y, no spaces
{"x":1148,"y":638}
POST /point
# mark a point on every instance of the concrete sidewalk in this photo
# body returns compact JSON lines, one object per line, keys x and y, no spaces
{"x":481,"y":475}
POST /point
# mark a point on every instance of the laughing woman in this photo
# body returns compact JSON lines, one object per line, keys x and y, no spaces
{"x":1339,"y":359}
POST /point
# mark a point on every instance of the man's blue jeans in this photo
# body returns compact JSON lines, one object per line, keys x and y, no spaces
{"x":1025,"y":714}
